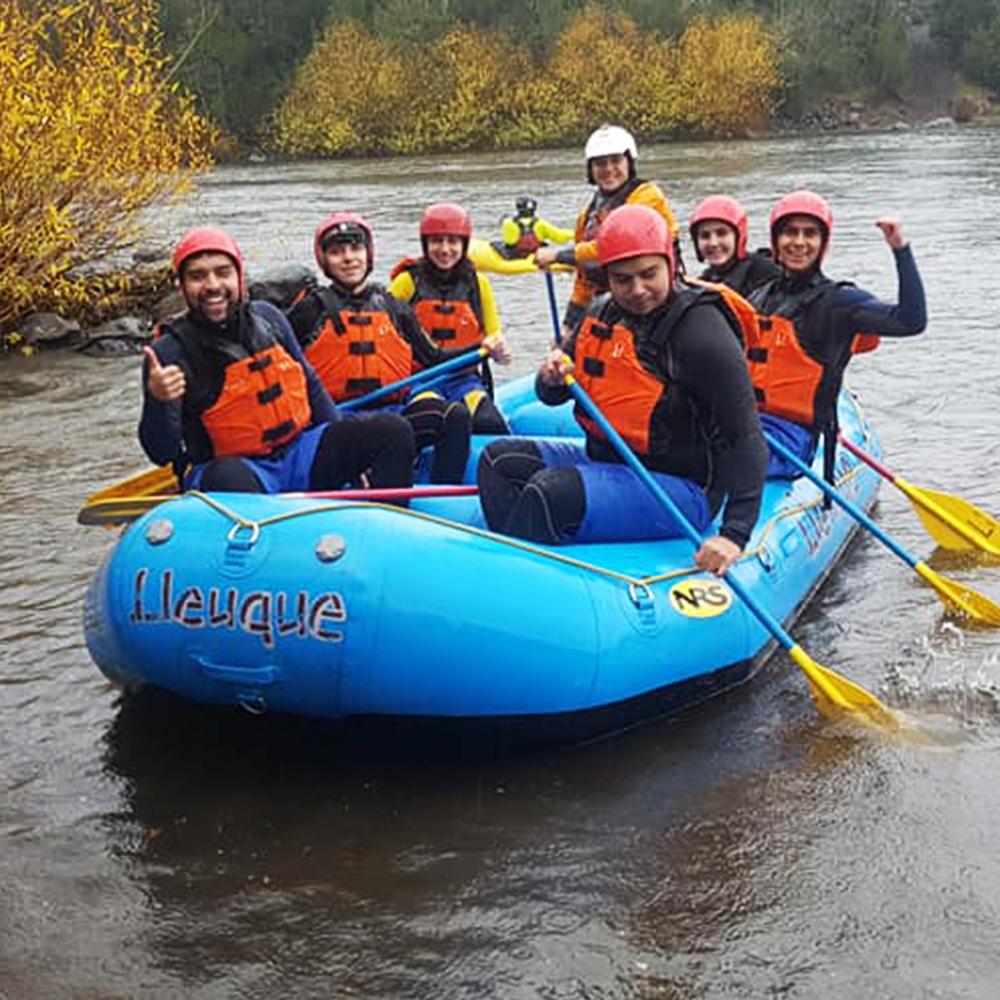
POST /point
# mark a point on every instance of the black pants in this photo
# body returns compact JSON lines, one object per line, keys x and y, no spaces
{"x":445,"y":426}
{"x":521,"y":496}
{"x":380,"y":448}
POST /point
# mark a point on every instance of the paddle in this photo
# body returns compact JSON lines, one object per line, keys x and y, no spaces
{"x":831,"y":691}
{"x":952,"y":522}
{"x":425,"y":377}
{"x":122,"y":510}
{"x":159,"y":480}
{"x":550,"y":285}
{"x":954,"y":596}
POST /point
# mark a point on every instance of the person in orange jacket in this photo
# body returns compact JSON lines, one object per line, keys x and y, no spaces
{"x":456,"y":308}
{"x":227,"y":391}
{"x":360,"y":338}
{"x":810,"y":327}
{"x":611,"y":156}
{"x":664,"y":364}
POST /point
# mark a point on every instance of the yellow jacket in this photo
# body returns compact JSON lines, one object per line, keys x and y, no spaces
{"x":402,"y":288}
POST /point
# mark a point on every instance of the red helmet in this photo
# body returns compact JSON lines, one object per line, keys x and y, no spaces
{"x":631,"y":231}
{"x":721,"y":208}
{"x":445,"y":219}
{"x":207,"y":239}
{"x":343,"y":227}
{"x":802,"y":203}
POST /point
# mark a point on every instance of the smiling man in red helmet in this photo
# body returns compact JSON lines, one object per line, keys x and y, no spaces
{"x":664,"y":364}
{"x":227,"y":391}
{"x":810,"y":327}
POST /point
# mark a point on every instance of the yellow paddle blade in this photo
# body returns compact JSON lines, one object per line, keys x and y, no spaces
{"x":835,"y":694}
{"x":119,"y":510}
{"x":952,"y":522}
{"x":962,"y":600}
{"x":112,"y":504}
{"x":158,"y":480}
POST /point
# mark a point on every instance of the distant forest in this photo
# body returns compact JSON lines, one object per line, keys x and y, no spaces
{"x":240,"y":58}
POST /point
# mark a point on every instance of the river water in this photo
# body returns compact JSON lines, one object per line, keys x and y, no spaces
{"x":746,"y":849}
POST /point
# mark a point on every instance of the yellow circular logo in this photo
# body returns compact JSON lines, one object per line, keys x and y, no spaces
{"x":700,"y":598}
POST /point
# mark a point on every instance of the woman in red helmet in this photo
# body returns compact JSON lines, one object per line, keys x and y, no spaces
{"x":360,"y":338}
{"x":227,"y":390}
{"x":663,"y":364}
{"x":456,"y":308}
{"x":811,"y":326}
{"x":719,"y":234}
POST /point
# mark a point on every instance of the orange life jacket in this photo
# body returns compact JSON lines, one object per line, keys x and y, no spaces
{"x":788,"y":381}
{"x":451,"y":317}
{"x":639,"y":403}
{"x":354,"y":352}
{"x":609,"y":371}
{"x":263,"y":401}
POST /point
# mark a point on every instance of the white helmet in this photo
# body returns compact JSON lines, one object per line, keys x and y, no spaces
{"x":607,"y":141}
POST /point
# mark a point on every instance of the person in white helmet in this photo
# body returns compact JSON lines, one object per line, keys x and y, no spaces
{"x":611,"y":156}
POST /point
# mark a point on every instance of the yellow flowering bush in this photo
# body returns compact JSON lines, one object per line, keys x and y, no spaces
{"x":728,"y":75}
{"x":93,"y":133}
{"x":473,"y":89}
{"x":347,"y":96}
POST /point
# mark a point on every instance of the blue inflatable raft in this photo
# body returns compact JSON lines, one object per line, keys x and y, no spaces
{"x":351,"y":610}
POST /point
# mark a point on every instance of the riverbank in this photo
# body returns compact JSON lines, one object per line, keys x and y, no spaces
{"x":124,"y":324}
{"x":969,"y":106}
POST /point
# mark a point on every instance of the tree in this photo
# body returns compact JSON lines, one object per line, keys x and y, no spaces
{"x":71,"y":188}
{"x":954,"y":22}
{"x":240,"y":55}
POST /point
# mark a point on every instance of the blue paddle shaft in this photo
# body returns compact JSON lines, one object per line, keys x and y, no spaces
{"x":425,"y":377}
{"x":837,"y":497}
{"x":629,"y":457}
{"x":550,"y":285}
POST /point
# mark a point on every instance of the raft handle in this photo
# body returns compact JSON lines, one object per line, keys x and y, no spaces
{"x":243,"y":543}
{"x":642,"y":596}
{"x":252,"y":677}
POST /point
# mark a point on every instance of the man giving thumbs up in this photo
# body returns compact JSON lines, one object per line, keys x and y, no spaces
{"x":227,"y":391}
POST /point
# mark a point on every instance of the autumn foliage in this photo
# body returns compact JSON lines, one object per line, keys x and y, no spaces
{"x":93,"y":134}
{"x":470,"y":88}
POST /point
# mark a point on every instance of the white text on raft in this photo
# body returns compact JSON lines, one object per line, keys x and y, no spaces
{"x":263,"y":613}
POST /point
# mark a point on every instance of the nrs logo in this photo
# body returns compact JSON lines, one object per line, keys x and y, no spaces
{"x":700,"y":598}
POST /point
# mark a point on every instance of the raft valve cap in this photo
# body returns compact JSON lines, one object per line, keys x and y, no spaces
{"x":159,"y":531}
{"x":330,"y":548}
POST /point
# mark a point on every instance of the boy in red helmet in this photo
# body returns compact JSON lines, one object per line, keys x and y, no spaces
{"x":811,"y":326}
{"x":456,"y":308}
{"x":359,"y":338}
{"x":719,"y":231}
{"x":226,"y":389}
{"x":663,"y":364}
